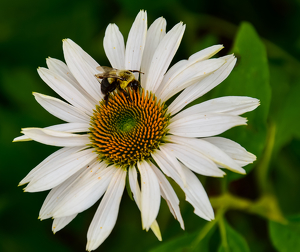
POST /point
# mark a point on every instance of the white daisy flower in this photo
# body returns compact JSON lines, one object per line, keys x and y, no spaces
{"x":135,"y":135}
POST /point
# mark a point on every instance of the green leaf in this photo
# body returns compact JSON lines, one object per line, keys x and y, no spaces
{"x":287,"y":121}
{"x":285,"y":104}
{"x":178,"y":244}
{"x":232,"y":241}
{"x":196,"y":241}
{"x":286,"y":174}
{"x":285,"y":238}
{"x":250,"y":77}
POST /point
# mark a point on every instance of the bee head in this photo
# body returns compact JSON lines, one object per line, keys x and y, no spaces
{"x":134,"y":84}
{"x":126,"y":75}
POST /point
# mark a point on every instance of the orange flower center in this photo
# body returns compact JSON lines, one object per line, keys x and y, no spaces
{"x":128,"y":129}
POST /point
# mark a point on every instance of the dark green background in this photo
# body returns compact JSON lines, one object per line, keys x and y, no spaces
{"x":268,"y":68}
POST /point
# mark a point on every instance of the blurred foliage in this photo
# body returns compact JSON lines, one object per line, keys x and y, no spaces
{"x":286,"y":237}
{"x":256,"y":212}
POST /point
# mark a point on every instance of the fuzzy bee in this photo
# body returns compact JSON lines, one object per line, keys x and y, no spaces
{"x":111,"y":78}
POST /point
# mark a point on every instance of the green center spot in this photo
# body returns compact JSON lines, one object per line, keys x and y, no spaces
{"x":126,"y":124}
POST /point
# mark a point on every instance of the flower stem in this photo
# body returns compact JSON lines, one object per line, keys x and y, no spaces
{"x":206,"y":229}
{"x":266,"y":206}
{"x":223,"y":233}
{"x":263,"y":167}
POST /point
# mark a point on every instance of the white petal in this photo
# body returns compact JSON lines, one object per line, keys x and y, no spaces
{"x":60,"y":109}
{"x":232,"y":105}
{"x":22,"y":138}
{"x":189,"y":76}
{"x":203,"y":125}
{"x":58,"y":193}
{"x":168,"y":194}
{"x":66,"y":90}
{"x":136,"y":42}
{"x":196,"y":195}
{"x":233,"y":149}
{"x":107,"y":212}
{"x":70,"y":127}
{"x":206,"y":53}
{"x":134,"y":185}
{"x":91,"y":63}
{"x":209,"y":150}
{"x":194,"y":191}
{"x":163,"y":56}
{"x":150,"y":197}
{"x":53,"y":158}
{"x":155,"y":34}
{"x":171,"y":74}
{"x":183,"y":64}
{"x":60,"y":223}
{"x":195,"y":160}
{"x":84,"y":193}
{"x":198,"y":89}
{"x":114,"y":46}
{"x":168,"y":153}
{"x":81,"y":69}
{"x":166,"y":166}
{"x":56,"y":138}
{"x":62,"y":70}
{"x":65,"y":127}
{"x":53,"y":174}
{"x":135,"y":189}
{"x":155,"y":229}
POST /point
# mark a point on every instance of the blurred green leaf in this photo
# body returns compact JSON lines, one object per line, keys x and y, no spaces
{"x":233,"y":242}
{"x":18,"y":90}
{"x":250,"y":77}
{"x":206,"y":41}
{"x":196,"y":241}
{"x":285,"y":105}
{"x":178,"y":244}
{"x":36,"y":29}
{"x":133,"y":6}
{"x":285,"y":238}
{"x":287,"y":121}
{"x":286,"y":174}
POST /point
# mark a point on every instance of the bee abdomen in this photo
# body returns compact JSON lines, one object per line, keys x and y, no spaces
{"x":107,"y":87}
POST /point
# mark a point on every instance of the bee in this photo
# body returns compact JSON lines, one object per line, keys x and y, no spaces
{"x":111,"y":78}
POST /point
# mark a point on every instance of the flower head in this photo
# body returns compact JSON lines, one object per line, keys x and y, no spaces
{"x":135,"y":133}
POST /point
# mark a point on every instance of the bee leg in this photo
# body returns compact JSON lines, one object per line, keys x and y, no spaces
{"x":134,"y":85}
{"x":126,"y":94}
{"x":135,"y":88}
{"x":106,"y":98}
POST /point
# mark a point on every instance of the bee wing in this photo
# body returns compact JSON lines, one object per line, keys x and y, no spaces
{"x":107,"y":72}
{"x":105,"y":69}
{"x":108,"y":75}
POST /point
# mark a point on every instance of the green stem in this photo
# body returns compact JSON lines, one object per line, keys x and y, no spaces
{"x":223,"y":234}
{"x":224,"y":185}
{"x":205,"y":230}
{"x":266,"y":206}
{"x":263,"y":167}
{"x":230,"y":201}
